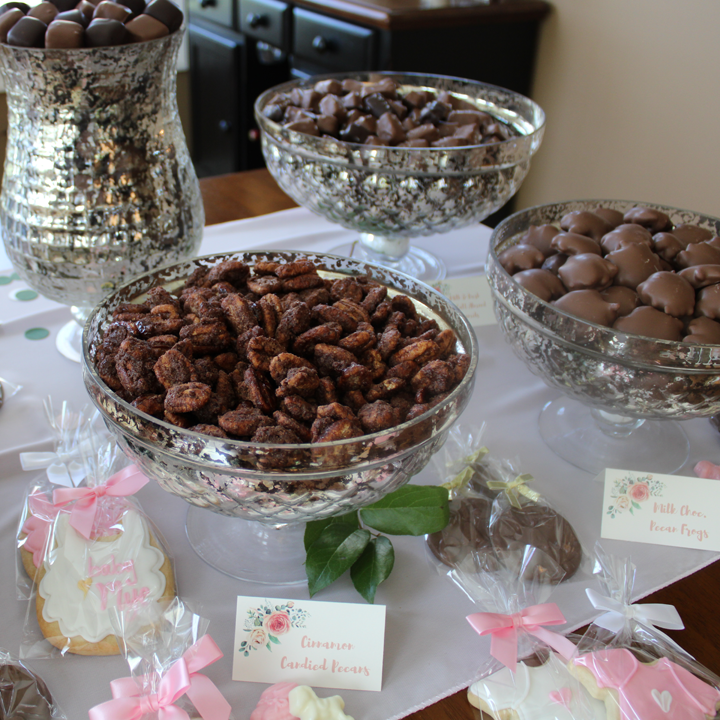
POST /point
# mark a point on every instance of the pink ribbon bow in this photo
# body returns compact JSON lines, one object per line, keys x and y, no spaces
{"x":82,"y":516}
{"x":503,"y":630}
{"x":181,"y":679}
{"x":37,"y":526}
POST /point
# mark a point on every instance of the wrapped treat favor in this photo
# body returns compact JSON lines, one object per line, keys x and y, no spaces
{"x":23,"y":695}
{"x":630,"y":665}
{"x":289,"y":701}
{"x":90,"y":549}
{"x":167,"y":648}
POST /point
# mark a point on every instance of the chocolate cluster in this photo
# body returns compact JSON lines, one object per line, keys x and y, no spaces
{"x":635,"y":272}
{"x":278,"y":354}
{"x":88,"y":23}
{"x":380,"y":113}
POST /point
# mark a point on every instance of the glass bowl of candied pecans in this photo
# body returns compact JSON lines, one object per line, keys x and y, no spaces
{"x":615,"y":304}
{"x":277,"y":387}
{"x":398,"y":155}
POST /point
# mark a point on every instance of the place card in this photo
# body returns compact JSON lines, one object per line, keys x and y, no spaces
{"x":661,"y":509}
{"x":321,"y":644}
{"x":472,"y":295}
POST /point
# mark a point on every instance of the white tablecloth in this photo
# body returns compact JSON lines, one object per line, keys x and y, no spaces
{"x":430,"y":650}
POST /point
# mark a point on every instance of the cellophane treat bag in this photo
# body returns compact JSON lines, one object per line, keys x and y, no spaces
{"x":628,"y":663}
{"x":87,"y":550}
{"x":23,"y":694}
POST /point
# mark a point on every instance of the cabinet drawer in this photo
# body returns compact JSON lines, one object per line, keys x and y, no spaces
{"x":332,"y":43}
{"x":218,"y":11}
{"x":266,"y":20}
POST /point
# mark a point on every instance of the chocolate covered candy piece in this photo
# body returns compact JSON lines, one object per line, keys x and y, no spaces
{"x":331,"y":105}
{"x":587,"y":271}
{"x":23,"y":7}
{"x":104,"y":32}
{"x":536,"y":542}
{"x":145,"y":27}
{"x":707,"y":302}
{"x":331,"y":87}
{"x":376,"y":105}
{"x":27,"y":32}
{"x":701,"y":253}
{"x":635,"y":263}
{"x":64,"y":5}
{"x":112,"y":10}
{"x":612,"y":217}
{"x":23,"y":695}
{"x":520,"y":257}
{"x":389,"y":129}
{"x":87,"y":9}
{"x":572,"y":243}
{"x":136,"y":6}
{"x":326,"y":124}
{"x":667,"y":246}
{"x":45,"y":11}
{"x":700,"y":276}
{"x":464,"y":543}
{"x":555,"y":262}
{"x":625,"y":298}
{"x":649,"y":322}
{"x":73,"y":15}
{"x":654,"y":220}
{"x":703,"y":331}
{"x":687,"y":233}
{"x":308,"y":127}
{"x":588,"y":305}
{"x":541,"y":236}
{"x":166,"y":12}
{"x":7,"y":20}
{"x":584,"y":222}
{"x":625,"y":235}
{"x":541,"y":283}
{"x":669,"y":292}
{"x":64,"y":34}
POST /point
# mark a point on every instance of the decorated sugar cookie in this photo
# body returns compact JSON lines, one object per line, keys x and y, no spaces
{"x":81,"y":579}
{"x":633,"y":690}
{"x":542,"y":692}
{"x":289,"y":701}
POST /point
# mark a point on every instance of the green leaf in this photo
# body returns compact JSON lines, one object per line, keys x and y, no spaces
{"x":272,"y":638}
{"x":268,"y":647}
{"x":337,"y":548}
{"x":373,"y":566}
{"x":314,"y":529}
{"x":410,"y":510}
{"x":635,"y":505}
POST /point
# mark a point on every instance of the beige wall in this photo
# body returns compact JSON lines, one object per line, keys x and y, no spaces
{"x":631,"y":89}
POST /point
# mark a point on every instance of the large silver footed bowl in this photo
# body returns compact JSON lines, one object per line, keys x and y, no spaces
{"x":615,"y":372}
{"x":272,"y":483}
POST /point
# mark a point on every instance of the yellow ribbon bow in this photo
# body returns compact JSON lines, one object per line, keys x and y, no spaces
{"x":515,"y":488}
{"x":465,"y":475}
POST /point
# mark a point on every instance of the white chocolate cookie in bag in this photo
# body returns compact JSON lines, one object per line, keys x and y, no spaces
{"x":82,"y":579}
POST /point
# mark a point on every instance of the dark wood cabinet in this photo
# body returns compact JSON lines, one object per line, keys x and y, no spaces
{"x":239,"y":48}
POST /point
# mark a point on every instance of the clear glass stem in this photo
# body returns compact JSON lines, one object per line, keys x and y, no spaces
{"x":388,"y":250}
{"x":616,"y":426}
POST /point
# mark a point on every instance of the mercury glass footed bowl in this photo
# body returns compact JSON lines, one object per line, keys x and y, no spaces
{"x":622,"y":392}
{"x":274,"y":485}
{"x":392,"y":194}
{"x":98,"y":184}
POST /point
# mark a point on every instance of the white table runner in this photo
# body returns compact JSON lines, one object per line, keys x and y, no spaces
{"x":430,"y":649}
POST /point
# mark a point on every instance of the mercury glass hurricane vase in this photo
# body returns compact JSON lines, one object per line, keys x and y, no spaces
{"x":98,"y":184}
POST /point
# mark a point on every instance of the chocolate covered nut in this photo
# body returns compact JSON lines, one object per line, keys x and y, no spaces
{"x":700,"y":276}
{"x":701,"y":253}
{"x":703,"y":331}
{"x":7,"y":20}
{"x":625,"y":235}
{"x":651,"y":323}
{"x":667,"y":246}
{"x":584,"y":222}
{"x":653,"y":220}
{"x":625,"y":298}
{"x":668,"y":292}
{"x":587,"y":272}
{"x":541,"y":237}
{"x":112,"y":10}
{"x":571,"y":243}
{"x":635,"y":263}
{"x":104,"y":32}
{"x":707,"y":302}
{"x":45,"y":11}
{"x":588,"y":305}
{"x":145,"y":27}
{"x":166,"y":12}
{"x":27,"y":32}
{"x":64,"y":34}
{"x":520,"y":257}
{"x":555,"y":262}
{"x":613,"y":217}
{"x":541,"y":283}
{"x":687,"y":234}
{"x":73,"y":15}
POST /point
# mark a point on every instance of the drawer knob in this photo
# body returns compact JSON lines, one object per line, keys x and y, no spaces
{"x":320,"y":44}
{"x":255,"y":20}
{"x":225,"y":126}
{"x":207,"y":3}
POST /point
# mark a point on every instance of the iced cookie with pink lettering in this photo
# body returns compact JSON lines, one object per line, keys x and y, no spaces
{"x":81,"y":579}
{"x":634,"y":690}
{"x":535,"y":692}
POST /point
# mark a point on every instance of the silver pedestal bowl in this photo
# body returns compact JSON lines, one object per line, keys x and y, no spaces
{"x":393,"y":194}
{"x":274,"y":485}
{"x":622,"y":392}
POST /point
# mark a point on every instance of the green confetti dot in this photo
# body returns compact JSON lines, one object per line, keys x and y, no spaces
{"x":36,"y":333}
{"x":5,"y":280}
{"x":14,"y":276}
{"x":26,"y":295}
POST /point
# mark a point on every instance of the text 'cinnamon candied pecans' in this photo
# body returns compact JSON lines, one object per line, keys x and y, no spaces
{"x":278,"y":354}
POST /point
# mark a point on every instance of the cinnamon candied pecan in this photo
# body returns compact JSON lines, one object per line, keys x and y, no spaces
{"x":151,"y":404}
{"x":377,"y":416}
{"x":211,"y":430}
{"x":354,"y":377}
{"x":242,"y":341}
{"x":206,"y":370}
{"x":302,"y":282}
{"x":375,"y":295}
{"x":234,"y":272}
{"x":149,"y":325}
{"x":238,"y":313}
{"x":405,"y":370}
{"x":187,"y":397}
{"x":381,"y":314}
{"x":419,"y":352}
{"x":284,"y":362}
{"x":389,"y":342}
{"x":353,"y":309}
{"x":179,"y":419}
{"x":159,"y":296}
{"x":460,"y":364}
{"x":173,"y":368}
{"x":105,"y":366}
{"x":134,"y":363}
{"x":358,"y":342}
{"x":315,"y":296}
{"x":265,"y":267}
{"x":373,"y":361}
{"x":165,"y":342}
{"x":327,"y":334}
{"x":265,"y":284}
{"x":446,"y":341}
{"x":270,"y":309}
{"x":294,"y":321}
{"x":293,"y":269}
{"x":259,"y":392}
{"x":223,"y":288}
{"x":326,"y":392}
{"x":405,"y":305}
{"x":284,"y":420}
{"x":332,"y":359}
{"x":261,"y":351}
{"x":130,"y":311}
{"x":226,"y":361}
{"x":299,"y":408}
{"x":354,"y":399}
{"x":385,"y":389}
{"x":168,"y":311}
{"x":208,"y":337}
{"x":433,"y":378}
{"x":243,"y":422}
{"x":334,"y":314}
{"x":346,"y":288}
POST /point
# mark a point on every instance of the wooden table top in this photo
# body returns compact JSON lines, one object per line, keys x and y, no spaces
{"x":252,"y":193}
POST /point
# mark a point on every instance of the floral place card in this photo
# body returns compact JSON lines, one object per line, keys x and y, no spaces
{"x":661,"y":509}
{"x":472,"y":295}
{"x":321,"y":644}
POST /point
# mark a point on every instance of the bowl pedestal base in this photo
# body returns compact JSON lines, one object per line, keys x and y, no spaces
{"x":248,"y":550}
{"x":593,"y":440}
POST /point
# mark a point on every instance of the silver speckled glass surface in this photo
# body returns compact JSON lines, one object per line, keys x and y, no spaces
{"x":280,"y":483}
{"x":98,"y":184}
{"x":397,"y":192}
{"x":618,"y":372}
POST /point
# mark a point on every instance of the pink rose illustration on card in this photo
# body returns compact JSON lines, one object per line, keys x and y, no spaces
{"x":265,"y":623}
{"x":628,"y":493}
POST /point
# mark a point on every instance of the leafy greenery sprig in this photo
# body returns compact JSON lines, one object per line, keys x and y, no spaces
{"x":345,"y":542}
